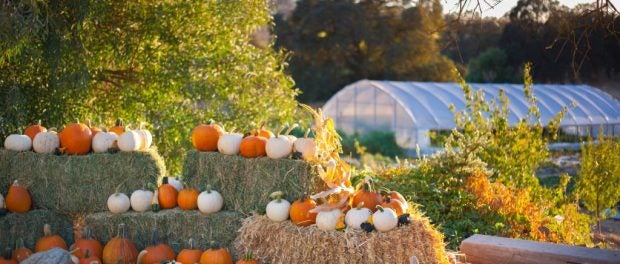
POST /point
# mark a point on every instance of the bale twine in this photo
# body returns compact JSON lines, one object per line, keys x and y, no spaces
{"x":29,"y":227}
{"x":287,"y":243}
{"x":79,"y":184}
{"x":245,"y":183}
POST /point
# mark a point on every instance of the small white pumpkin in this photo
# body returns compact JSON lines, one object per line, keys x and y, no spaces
{"x":279,"y":147}
{"x":18,"y":142}
{"x":356,"y":216}
{"x":118,"y":203}
{"x":130,"y":141}
{"x":306,"y":146}
{"x":384,"y":219}
{"x":46,"y":142}
{"x":176,"y":183}
{"x":278,"y":209}
{"x":103,"y":141}
{"x":327,"y":220}
{"x":229,"y":143}
{"x":147,"y":138}
{"x":141,"y":200}
{"x":290,"y":137}
{"x":210,"y":201}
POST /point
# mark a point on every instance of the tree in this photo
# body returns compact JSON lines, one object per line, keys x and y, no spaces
{"x":491,"y":67}
{"x":172,"y":64}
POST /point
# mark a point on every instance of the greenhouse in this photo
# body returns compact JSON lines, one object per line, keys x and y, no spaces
{"x":415,"y":110}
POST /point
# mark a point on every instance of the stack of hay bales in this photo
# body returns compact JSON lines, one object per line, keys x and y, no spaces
{"x":29,"y":227}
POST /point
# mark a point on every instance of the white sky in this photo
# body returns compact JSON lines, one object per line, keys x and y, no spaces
{"x":506,"y":5}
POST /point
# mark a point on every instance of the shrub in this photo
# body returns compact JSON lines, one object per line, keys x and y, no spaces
{"x":374,"y":142}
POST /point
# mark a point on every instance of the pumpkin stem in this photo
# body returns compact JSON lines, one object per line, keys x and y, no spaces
{"x":47,"y":230}
{"x":87,"y":254}
{"x":214,"y":245}
{"x":119,"y":122}
{"x":164,"y":180}
{"x":87,"y":233}
{"x":262,"y":125}
{"x":122,"y":231}
{"x":192,"y":243}
{"x":150,"y":186}
{"x":7,"y":253}
{"x":388,"y":199}
{"x":360,"y":205}
{"x":307,"y":132}
{"x":210,"y":121}
{"x":76,"y":120}
{"x":280,"y":129}
{"x":209,"y":188}
{"x":249,"y":255}
{"x":288,"y":131}
{"x":155,"y":237}
{"x":380,"y":208}
{"x":277,"y":196}
{"x":19,"y":243}
{"x":87,"y":121}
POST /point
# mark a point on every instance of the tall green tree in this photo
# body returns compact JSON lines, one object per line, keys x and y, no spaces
{"x":171,"y":64}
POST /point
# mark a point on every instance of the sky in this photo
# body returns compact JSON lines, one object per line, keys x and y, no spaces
{"x":506,"y":5}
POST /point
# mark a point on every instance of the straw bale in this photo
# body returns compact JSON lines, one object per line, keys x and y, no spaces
{"x":29,"y":227}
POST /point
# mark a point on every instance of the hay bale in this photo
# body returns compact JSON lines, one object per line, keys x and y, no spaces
{"x":287,"y":243}
{"x":29,"y":227}
{"x":78,"y":184}
{"x":176,"y":225}
{"x":246,"y":184}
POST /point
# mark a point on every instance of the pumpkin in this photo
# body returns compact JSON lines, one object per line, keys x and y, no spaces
{"x":156,"y":252}
{"x":216,"y":255}
{"x":33,"y":130}
{"x":87,"y":243}
{"x":393,"y":204}
{"x":55,"y":255}
{"x":90,"y":258}
{"x":46,"y":142}
{"x":384,"y":219}
{"x":210,"y":201}
{"x":190,"y":255}
{"x":167,"y":195}
{"x":229,"y":143}
{"x":205,"y":137}
{"x":288,"y":135}
{"x":140,"y":200}
{"x":76,"y":139}
{"x":155,"y":207}
{"x":93,"y":130}
{"x":118,"y":128}
{"x":247,"y":259}
{"x":104,"y":141}
{"x":147,"y":138}
{"x":17,"y":142}
{"x":356,"y":216}
{"x":396,"y":195}
{"x":21,"y":253}
{"x":252,"y":147}
{"x":306,"y":146}
{"x":120,"y":249}
{"x":174,"y":181}
{"x":327,"y":220}
{"x":279,"y":147}
{"x":278,"y":209}
{"x":118,"y":203}
{"x":300,"y":211}
{"x":130,"y":141}
{"x":18,"y":199}
{"x":6,"y":257}
{"x":188,"y":199}
{"x":262,"y":132}
{"x":49,"y":240}
{"x":364,"y":194}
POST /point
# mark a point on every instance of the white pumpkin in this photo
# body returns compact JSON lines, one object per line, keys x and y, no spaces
{"x":103,"y":141}
{"x":279,"y":147}
{"x":130,"y":141}
{"x":210,"y":201}
{"x":141,"y":200}
{"x":176,"y":183}
{"x":18,"y":142}
{"x":229,"y":143}
{"x":118,"y":203}
{"x":327,"y":220}
{"x":147,"y":139}
{"x":384,"y":219}
{"x":290,"y":137}
{"x":278,"y":209}
{"x":46,"y":142}
{"x":356,"y":216}
{"x":306,"y":146}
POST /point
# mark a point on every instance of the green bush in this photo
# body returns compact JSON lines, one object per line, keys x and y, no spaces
{"x":374,"y":142}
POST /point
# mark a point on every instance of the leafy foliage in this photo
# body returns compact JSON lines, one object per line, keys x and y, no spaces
{"x":374,"y":142}
{"x":491,"y":67}
{"x":170,"y":64}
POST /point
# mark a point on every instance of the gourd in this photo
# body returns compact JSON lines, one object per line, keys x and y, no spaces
{"x":364,"y":194}
{"x":306,"y":146}
{"x":21,"y":253}
{"x":384,"y":219}
{"x":130,"y":141}
{"x":156,"y":252}
{"x":118,"y":128}
{"x":76,"y":139}
{"x":104,"y":141}
{"x":167,"y":195}
{"x":278,"y":209}
{"x":356,"y":216}
{"x":87,"y":243}
{"x":210,"y":201}
{"x":216,"y":254}
{"x":147,"y":138}
{"x":49,"y":240}
{"x":18,"y":199}
{"x":18,"y":142}
{"x":118,"y":203}
{"x":176,"y":183}
{"x":396,"y":195}
{"x":229,"y":143}
{"x":155,"y":207}
{"x":300,"y":212}
{"x":279,"y":147}
{"x":205,"y":137}
{"x":120,"y":249}
{"x":252,"y":147}
{"x":56,"y":255}
{"x":141,"y":200}
{"x":33,"y":130}
{"x":46,"y":142}
{"x":188,"y":199}
{"x":327,"y":220}
{"x":191,"y":254}
{"x":393,"y":204}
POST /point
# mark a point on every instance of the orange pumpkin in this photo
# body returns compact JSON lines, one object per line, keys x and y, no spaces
{"x":33,"y":130}
{"x":21,"y":252}
{"x":87,"y":243}
{"x":167,"y":195}
{"x":262,"y":132}
{"x":49,"y":240}
{"x":300,"y":212}
{"x":89,"y":259}
{"x":395,"y":204}
{"x":6,"y":257}
{"x":188,"y":199}
{"x":396,"y":195}
{"x":18,"y":200}
{"x":93,"y":130}
{"x":76,"y":139}
{"x":367,"y":196}
{"x":156,"y":252}
{"x":118,"y":128}
{"x":120,"y":249}
{"x":205,"y":137}
{"x":216,"y":255}
{"x":252,"y":147}
{"x":190,"y":255}
{"x":247,"y":259}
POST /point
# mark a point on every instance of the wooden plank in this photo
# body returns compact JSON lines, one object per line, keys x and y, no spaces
{"x":481,"y":249}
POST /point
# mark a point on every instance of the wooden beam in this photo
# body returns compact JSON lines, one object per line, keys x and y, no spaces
{"x":481,"y":249}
